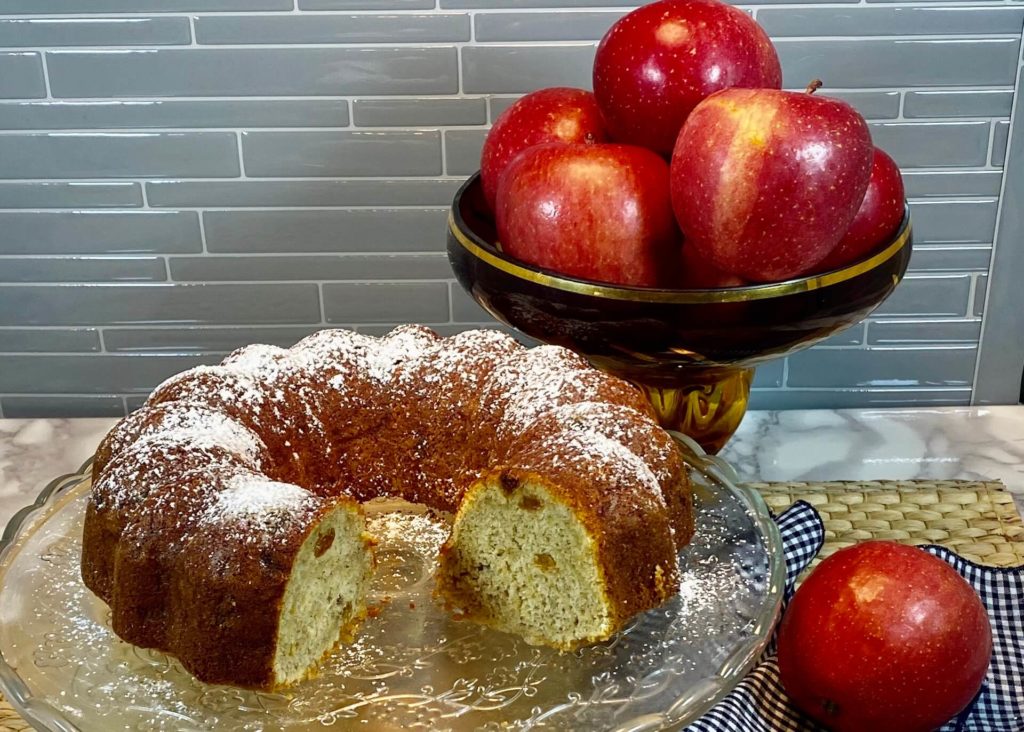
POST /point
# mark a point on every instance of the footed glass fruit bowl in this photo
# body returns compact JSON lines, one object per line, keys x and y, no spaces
{"x":692,"y":351}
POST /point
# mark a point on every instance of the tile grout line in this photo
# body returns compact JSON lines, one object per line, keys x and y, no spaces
{"x":991,"y":144}
{"x":46,"y":73}
{"x":241,"y":157}
{"x":202,"y":232}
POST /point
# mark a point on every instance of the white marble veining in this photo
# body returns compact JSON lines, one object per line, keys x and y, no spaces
{"x":947,"y":442}
{"x":883,"y":444}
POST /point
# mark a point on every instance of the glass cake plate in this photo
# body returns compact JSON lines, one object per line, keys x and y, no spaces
{"x":411,"y":667}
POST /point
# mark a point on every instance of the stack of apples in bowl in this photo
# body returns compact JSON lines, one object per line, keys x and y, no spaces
{"x":687,"y":219}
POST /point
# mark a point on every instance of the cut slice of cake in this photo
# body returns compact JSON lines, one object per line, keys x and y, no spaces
{"x":285,"y":577}
{"x":552,"y":562}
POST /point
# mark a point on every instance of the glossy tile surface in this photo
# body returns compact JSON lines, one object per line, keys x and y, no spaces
{"x":99,"y":232}
{"x":184,"y":176}
{"x":142,"y":114}
{"x":254,"y":72}
{"x":21,"y":75}
{"x":357,"y":230}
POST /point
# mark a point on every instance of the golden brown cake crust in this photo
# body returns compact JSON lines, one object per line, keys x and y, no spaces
{"x":344,"y":416}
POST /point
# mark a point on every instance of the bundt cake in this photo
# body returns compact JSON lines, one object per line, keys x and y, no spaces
{"x":225,"y":524}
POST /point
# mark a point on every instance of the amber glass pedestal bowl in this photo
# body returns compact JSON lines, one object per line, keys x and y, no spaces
{"x":692,"y":351}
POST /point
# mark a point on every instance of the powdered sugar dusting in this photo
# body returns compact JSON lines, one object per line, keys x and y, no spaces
{"x":259,"y":502}
{"x":622,"y":424}
{"x":188,"y":423}
{"x":454,"y":377}
{"x":616,"y":461}
{"x":539,"y":379}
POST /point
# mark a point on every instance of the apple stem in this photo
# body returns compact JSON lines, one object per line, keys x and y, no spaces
{"x":814,"y":86}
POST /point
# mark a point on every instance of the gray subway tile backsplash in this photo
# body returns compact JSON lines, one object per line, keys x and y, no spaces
{"x":539,"y":26}
{"x":841,"y":62}
{"x":21,"y":407}
{"x":192,"y":304}
{"x":301,"y":29}
{"x":75,"y":194}
{"x":49,"y":340}
{"x":953,"y":257}
{"x":99,"y":232}
{"x":852,"y":336}
{"x":465,"y":309}
{"x":31,"y":32}
{"x":923,"y":332}
{"x":21,"y":76}
{"x":207,"y":72}
{"x":419,"y":111}
{"x":365,"y":4}
{"x":462,"y":151}
{"x":929,"y":295}
{"x":958,"y":102}
{"x":980,"y":296}
{"x":965,"y":220}
{"x":164,"y":199}
{"x":345,"y":153}
{"x":769,"y":374}
{"x":863,"y":398}
{"x":386,"y":302}
{"x":307,"y":193}
{"x":82,"y":269}
{"x":356,"y":230}
{"x":92,"y":373}
{"x":882,"y":367}
{"x":873,"y":105}
{"x":55,"y":114}
{"x":951,"y":183}
{"x":519,"y":69}
{"x":312,"y":267}
{"x":137,"y":6}
{"x":119,"y":155}
{"x":1000,"y":137}
{"x":890,"y":21}
{"x":933,"y":144}
{"x":200,"y":340}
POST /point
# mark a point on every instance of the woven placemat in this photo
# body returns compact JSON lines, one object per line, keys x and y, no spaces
{"x":977,"y":519}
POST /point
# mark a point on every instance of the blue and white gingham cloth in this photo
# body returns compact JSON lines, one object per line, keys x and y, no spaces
{"x":759,"y":703}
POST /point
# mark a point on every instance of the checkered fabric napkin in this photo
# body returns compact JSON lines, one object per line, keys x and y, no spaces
{"x":759,"y":704}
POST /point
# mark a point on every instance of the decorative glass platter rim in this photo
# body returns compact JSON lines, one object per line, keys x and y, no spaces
{"x":43,"y":715}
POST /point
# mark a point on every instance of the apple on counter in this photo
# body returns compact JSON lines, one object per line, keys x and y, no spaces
{"x":765,"y":182}
{"x":598,"y":212}
{"x":557,"y":114}
{"x":659,"y":61}
{"x":885,"y":638}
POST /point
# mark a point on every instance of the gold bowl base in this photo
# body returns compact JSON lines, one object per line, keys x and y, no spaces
{"x":708,"y":407}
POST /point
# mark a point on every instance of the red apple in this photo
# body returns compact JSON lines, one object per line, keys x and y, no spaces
{"x":659,"y":61}
{"x":765,"y":182}
{"x":886,"y":638}
{"x":558,"y":114}
{"x":878,"y":217}
{"x":597,"y":212}
{"x":696,"y":273}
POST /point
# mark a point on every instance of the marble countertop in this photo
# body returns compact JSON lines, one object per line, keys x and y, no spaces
{"x":937,"y":443}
